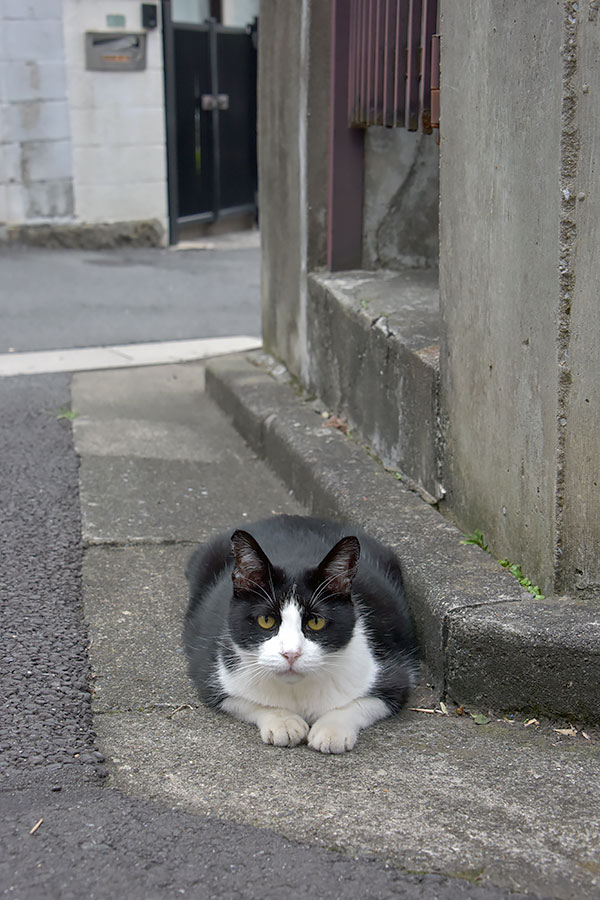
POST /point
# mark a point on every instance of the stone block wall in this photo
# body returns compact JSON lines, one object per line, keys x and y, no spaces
{"x":36,"y":165}
{"x":78,"y":147}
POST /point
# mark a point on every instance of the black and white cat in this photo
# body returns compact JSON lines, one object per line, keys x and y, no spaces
{"x":286,"y":629}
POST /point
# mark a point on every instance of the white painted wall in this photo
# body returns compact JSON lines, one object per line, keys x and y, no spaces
{"x":35,"y":147}
{"x":235,"y":13}
{"x":196,"y":11}
{"x":239,"y":13}
{"x":117,"y":122}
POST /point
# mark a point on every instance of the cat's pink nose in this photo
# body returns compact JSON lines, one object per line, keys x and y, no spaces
{"x":291,"y":655}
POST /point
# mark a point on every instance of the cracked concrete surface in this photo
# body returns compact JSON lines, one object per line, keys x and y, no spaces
{"x":497,"y":804}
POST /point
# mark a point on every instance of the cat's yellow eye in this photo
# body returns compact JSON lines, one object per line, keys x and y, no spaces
{"x":315,"y":623}
{"x":266,"y":622}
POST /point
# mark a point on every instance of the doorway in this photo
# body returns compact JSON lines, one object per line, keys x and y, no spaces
{"x":210,"y":78}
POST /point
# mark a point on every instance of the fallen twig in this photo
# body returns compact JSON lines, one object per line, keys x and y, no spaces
{"x":36,"y":826}
{"x":179,"y":708}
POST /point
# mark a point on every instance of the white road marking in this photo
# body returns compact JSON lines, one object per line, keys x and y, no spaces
{"x":81,"y":359}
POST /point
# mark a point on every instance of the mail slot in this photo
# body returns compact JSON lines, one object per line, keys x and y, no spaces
{"x":112,"y":52}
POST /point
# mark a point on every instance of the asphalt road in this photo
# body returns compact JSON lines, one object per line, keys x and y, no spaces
{"x":93,"y":841}
{"x":55,"y":299}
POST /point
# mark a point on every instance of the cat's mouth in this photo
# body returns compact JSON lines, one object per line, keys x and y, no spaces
{"x":290,"y":674}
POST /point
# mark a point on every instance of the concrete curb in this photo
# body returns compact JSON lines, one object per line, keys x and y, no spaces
{"x":486,"y":641}
{"x":77,"y":236}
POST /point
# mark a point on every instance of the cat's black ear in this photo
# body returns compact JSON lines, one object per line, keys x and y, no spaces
{"x":338,"y":568}
{"x":252,"y":569}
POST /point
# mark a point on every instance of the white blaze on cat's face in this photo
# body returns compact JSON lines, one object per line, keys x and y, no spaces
{"x":289,"y":653}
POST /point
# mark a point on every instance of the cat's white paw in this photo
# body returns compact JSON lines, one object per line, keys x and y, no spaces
{"x":331,"y":736}
{"x":283,"y":730}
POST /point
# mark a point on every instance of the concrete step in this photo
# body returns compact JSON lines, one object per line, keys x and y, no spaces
{"x":374,"y":358}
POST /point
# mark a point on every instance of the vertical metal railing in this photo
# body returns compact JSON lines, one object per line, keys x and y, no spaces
{"x":390,"y":63}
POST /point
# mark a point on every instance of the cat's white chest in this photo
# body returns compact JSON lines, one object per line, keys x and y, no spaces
{"x":331,"y":681}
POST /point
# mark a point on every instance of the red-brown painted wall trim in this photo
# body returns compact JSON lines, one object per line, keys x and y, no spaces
{"x":346,"y":155}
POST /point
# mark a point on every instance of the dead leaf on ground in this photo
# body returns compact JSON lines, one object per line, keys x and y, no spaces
{"x":339,"y":422}
{"x":531,"y":722}
{"x":480,"y":719}
{"x":569,"y":732}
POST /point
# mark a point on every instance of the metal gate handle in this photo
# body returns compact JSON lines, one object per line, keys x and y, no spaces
{"x":214,"y":101}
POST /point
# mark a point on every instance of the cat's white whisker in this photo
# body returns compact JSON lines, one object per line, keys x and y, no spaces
{"x":316,"y":596}
{"x":261,"y":592}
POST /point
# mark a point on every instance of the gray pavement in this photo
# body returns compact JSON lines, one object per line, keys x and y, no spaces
{"x":511,"y":806}
{"x":157,"y":796}
{"x":51,"y":299}
{"x":67,"y":829}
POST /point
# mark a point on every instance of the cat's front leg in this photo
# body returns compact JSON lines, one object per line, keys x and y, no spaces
{"x":280,"y":727}
{"x":337,"y":730}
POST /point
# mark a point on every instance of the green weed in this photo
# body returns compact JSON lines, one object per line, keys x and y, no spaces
{"x":515,"y":570}
{"x":475,"y":538}
{"x":65,"y":413}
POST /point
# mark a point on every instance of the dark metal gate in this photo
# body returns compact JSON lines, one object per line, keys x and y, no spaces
{"x":210,"y":77}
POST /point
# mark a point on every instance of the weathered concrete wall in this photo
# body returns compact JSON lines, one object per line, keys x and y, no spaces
{"x":520,"y":195}
{"x":520,"y":363}
{"x":293,"y":135}
{"x":579,"y":521}
{"x":400,"y":226}
{"x":281,"y":175}
{"x":499,"y":280}
{"x":117,"y":122}
{"x":35,"y":143}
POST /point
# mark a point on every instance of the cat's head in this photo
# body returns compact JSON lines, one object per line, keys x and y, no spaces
{"x":291,"y":622}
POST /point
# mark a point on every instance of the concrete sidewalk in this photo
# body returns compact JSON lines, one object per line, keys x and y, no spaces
{"x":500,"y":803}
